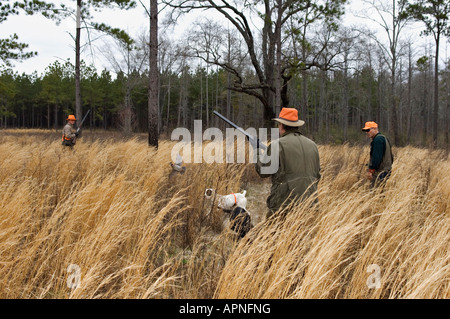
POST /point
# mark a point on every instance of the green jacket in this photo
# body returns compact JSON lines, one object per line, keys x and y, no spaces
{"x":381,"y":157}
{"x":299,"y":169}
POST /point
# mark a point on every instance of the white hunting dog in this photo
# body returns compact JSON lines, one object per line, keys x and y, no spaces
{"x":235,"y":204}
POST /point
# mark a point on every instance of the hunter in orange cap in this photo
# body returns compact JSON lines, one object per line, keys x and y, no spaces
{"x":69,"y":133}
{"x":299,"y":171}
{"x":381,"y":158}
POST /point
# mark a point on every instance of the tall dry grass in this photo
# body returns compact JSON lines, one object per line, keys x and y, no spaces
{"x":110,"y":208}
{"x":327,"y":251}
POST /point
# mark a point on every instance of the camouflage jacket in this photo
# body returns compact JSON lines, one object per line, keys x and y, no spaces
{"x":68,"y":132}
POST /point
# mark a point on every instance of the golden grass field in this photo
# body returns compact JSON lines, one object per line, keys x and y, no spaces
{"x":110,"y":208}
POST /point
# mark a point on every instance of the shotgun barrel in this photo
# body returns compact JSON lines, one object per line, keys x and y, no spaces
{"x":254,"y":141}
{"x":82,"y":121}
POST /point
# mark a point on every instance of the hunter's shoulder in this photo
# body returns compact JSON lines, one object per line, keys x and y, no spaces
{"x":299,"y":137}
{"x":296,"y":140}
{"x":379,"y":138}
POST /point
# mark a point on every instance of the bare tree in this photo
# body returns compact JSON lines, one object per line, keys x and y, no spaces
{"x":273,"y":17}
{"x":435,"y":14}
{"x":82,"y":16}
{"x":211,"y":42}
{"x":387,"y":15}
{"x":129,"y":58}
{"x":168,"y":57}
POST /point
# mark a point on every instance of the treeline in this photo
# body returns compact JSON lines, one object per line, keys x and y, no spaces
{"x":119,"y":101}
{"x":339,"y":102}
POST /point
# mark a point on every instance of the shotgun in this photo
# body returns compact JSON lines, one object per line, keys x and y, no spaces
{"x":79,"y":127}
{"x":82,"y":121}
{"x":254,"y":141}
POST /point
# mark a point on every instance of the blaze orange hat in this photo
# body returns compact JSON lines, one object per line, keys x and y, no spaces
{"x":369,"y":125}
{"x":289,"y":116}
{"x":71,"y":118}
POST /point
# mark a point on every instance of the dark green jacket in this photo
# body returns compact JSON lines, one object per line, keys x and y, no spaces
{"x":380,"y":154}
{"x":299,"y":169}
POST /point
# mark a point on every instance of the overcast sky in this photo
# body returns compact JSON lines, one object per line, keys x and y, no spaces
{"x":54,"y":42}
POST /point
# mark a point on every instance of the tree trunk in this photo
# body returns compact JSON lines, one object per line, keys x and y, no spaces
{"x":168,"y":105}
{"x":48,"y":115}
{"x":436,"y":95}
{"x":277,"y":39}
{"x":180,"y":100}
{"x":229,"y":78}
{"x":216,"y":120}
{"x":200,"y":116}
{"x":410,"y":78}
{"x":447,"y":119}
{"x":447,"y":111}
{"x":55,"y":123}
{"x":394,"y":99}
{"x":207,"y":92}
{"x":153,"y":77}
{"x":78,"y":113}
{"x":345,"y":102}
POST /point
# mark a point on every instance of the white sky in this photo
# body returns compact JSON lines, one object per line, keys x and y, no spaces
{"x":53,"y":42}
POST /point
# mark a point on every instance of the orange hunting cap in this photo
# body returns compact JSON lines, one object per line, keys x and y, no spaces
{"x":369,"y":125}
{"x":289,"y":116}
{"x":71,"y":118}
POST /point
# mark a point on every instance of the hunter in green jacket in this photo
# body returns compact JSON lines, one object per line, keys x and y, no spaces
{"x":381,"y":157}
{"x":299,"y":164}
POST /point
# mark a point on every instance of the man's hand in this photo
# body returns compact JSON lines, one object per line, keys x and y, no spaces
{"x":369,"y":174}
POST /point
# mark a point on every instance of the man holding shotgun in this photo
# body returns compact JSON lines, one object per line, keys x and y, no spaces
{"x":297,"y":171}
{"x":299,"y":164}
{"x":69,"y":133}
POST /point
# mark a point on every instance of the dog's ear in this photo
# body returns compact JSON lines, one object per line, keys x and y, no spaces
{"x":240,"y":221}
{"x":237,"y":211}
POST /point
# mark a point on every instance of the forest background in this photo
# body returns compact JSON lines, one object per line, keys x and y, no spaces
{"x":337,"y":75}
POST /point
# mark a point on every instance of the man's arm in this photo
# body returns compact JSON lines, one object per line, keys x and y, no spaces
{"x":266,"y":160}
{"x":259,"y":163}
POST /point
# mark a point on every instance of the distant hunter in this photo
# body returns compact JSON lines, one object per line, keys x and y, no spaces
{"x":381,"y":157}
{"x":69,"y":133}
